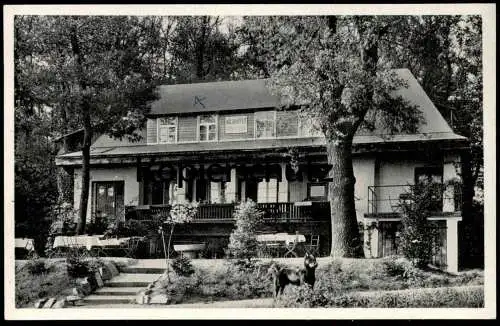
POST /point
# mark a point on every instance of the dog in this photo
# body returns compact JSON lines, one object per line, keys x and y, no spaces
{"x":295,"y":276}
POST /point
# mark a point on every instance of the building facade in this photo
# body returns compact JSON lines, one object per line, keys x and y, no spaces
{"x":223,"y":142}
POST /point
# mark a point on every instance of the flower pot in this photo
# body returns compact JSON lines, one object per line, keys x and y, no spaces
{"x":189,"y":250}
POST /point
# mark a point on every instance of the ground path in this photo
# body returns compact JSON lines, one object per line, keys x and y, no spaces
{"x":251,"y":303}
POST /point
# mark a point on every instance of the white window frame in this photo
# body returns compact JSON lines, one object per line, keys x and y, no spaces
{"x":255,"y":125}
{"x":167,"y":126}
{"x":199,"y":124}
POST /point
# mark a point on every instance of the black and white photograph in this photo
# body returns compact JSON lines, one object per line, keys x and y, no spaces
{"x":204,"y":161}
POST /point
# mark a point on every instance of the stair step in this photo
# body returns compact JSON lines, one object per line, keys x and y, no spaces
{"x":108,"y":299}
{"x":142,"y":270}
{"x":132,"y":280}
{"x":118,"y":290}
{"x":127,"y":284}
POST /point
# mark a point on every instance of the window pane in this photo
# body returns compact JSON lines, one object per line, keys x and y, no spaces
{"x":318,"y":191}
{"x":203,"y":133}
{"x":211,"y":135}
{"x":167,"y":129}
{"x":207,"y":119}
{"x":168,"y":121}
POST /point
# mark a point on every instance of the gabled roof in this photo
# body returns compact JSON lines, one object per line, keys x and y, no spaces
{"x":253,"y":94}
{"x":214,"y":96}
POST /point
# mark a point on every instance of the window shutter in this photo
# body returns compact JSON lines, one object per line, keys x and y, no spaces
{"x":151,"y":131}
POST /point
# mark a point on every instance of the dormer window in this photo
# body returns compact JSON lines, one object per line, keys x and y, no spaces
{"x":207,"y":128}
{"x":167,"y":130}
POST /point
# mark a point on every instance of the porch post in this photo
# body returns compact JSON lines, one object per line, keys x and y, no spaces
{"x":450,"y":166}
{"x":283,"y":186}
{"x":371,"y":239}
{"x":231,"y":187}
{"x":215,"y":192}
{"x":262,"y":191}
{"x":452,"y":244}
{"x":180,"y":193}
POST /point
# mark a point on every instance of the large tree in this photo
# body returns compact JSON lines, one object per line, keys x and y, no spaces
{"x":94,"y":71}
{"x":331,"y":66}
{"x":199,"y":50}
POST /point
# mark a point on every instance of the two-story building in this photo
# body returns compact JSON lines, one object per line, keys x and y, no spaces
{"x":222,"y":142}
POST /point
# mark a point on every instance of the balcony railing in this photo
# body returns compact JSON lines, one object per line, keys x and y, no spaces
{"x":387,"y":198}
{"x":273,"y":212}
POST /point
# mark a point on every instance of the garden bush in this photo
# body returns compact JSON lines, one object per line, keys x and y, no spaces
{"x":417,"y":239}
{"x":401,"y":268}
{"x":31,"y":287}
{"x":82,"y":267}
{"x":450,"y":297}
{"x":242,"y":241}
{"x":182,"y":266}
{"x":36,"y":266}
{"x":337,"y":282}
{"x":234,"y":282}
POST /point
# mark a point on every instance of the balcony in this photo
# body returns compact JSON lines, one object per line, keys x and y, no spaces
{"x":385,"y":200}
{"x":286,"y":212}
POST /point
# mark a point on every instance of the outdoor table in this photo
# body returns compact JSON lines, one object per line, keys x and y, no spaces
{"x":25,"y":243}
{"x":289,"y":241}
{"x":88,"y":242}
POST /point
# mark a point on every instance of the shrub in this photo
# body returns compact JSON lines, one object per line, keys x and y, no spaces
{"x":63,"y":217}
{"x":98,"y":226}
{"x":304,"y":297}
{"x":415,"y":298}
{"x":401,"y":268}
{"x":29,"y":288}
{"x":36,"y":267}
{"x":78,"y":267}
{"x":182,"y":266}
{"x":417,"y":237}
{"x":242,"y":241}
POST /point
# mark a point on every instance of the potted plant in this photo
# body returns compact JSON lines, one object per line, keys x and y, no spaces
{"x":179,"y":213}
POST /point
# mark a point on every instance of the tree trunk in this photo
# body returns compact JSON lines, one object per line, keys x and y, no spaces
{"x":346,"y":241}
{"x":84,"y":109}
{"x":84,"y":197}
{"x":470,"y":244}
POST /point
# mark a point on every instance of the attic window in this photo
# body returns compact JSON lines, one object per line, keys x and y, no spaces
{"x":167,"y":130}
{"x":207,"y":128}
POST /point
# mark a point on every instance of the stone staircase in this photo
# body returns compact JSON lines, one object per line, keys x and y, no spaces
{"x":122,"y":289}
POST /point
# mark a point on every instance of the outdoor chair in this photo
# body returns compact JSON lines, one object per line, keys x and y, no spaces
{"x":313,"y":246}
{"x":131,"y":246}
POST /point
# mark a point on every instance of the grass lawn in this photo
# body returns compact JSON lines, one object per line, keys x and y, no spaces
{"x":338,"y":283}
{"x":51,"y":281}
{"x":37,"y":279}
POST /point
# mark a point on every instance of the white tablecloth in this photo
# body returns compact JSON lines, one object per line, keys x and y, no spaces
{"x":26,"y":243}
{"x":87,"y":241}
{"x":281,"y":237}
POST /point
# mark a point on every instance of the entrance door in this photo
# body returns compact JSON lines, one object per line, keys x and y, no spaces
{"x":251,"y":189}
{"x":108,"y":200}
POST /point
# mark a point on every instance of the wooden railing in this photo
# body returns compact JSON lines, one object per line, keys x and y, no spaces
{"x":277,"y":212}
{"x":215,"y":212}
{"x":387,"y":198}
